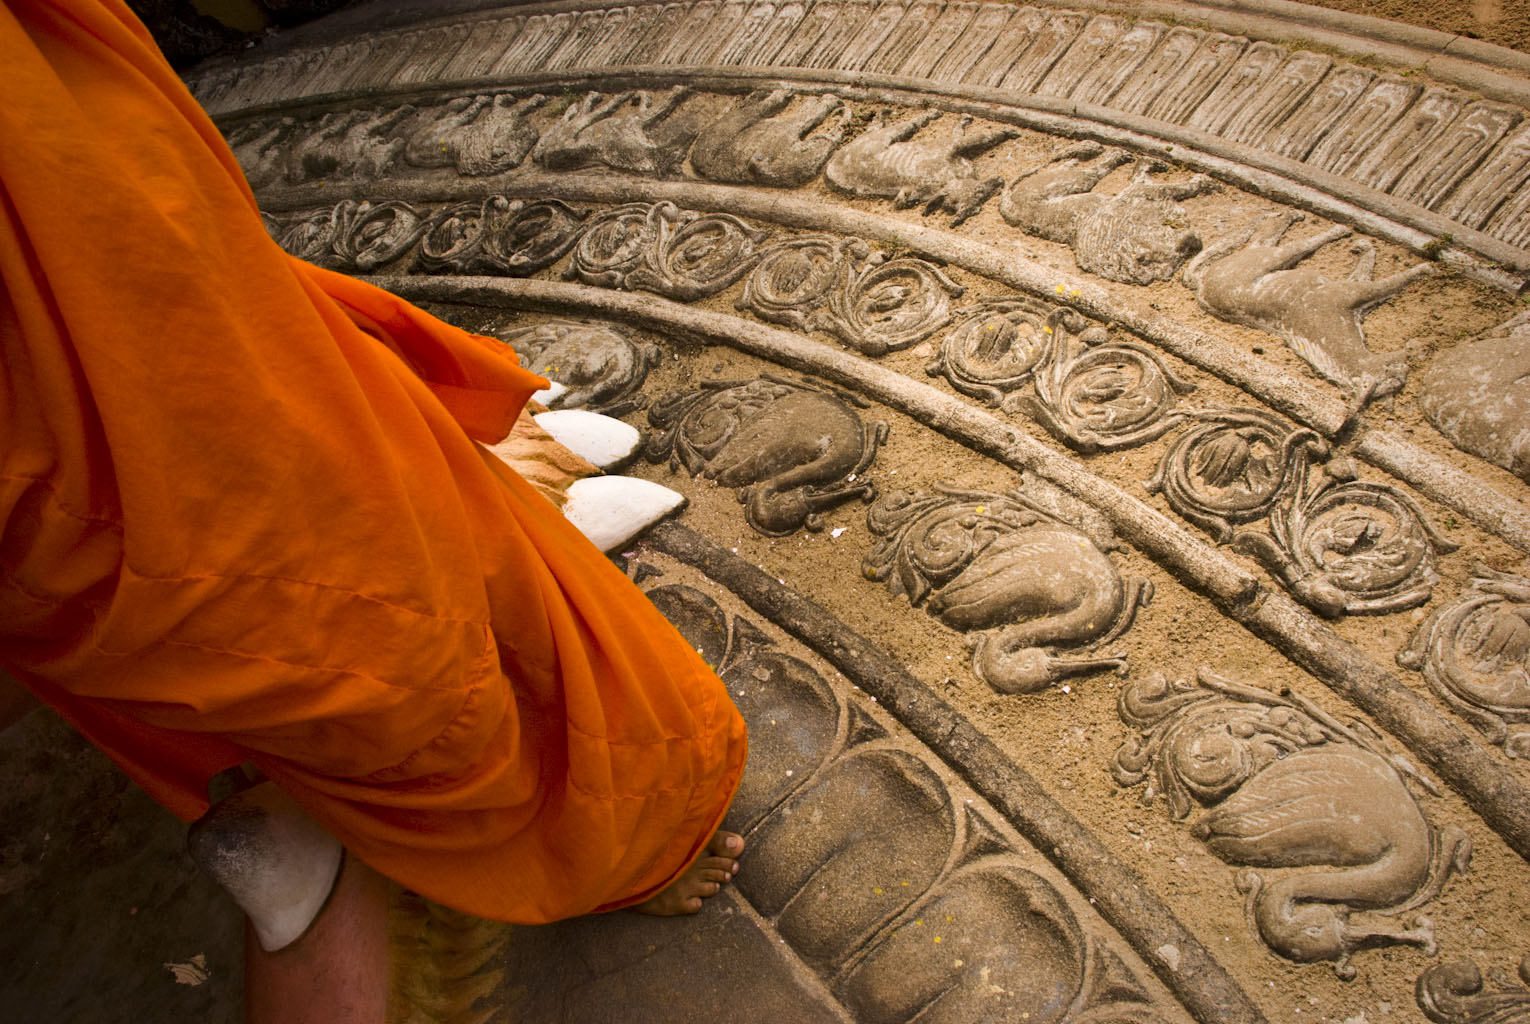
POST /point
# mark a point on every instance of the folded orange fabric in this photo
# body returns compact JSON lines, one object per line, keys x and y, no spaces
{"x":245,"y":517}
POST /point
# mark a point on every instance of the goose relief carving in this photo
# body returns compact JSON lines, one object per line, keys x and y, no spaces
{"x":1012,"y":574}
{"x":1334,"y":848}
{"x":479,"y":135}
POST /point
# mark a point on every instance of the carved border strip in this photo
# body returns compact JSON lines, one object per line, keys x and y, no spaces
{"x":1493,"y":790}
{"x":1201,"y":984}
{"x":1376,"y":139}
{"x":1303,"y":402}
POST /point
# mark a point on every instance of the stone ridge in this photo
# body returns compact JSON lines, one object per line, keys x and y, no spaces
{"x":1394,"y":139}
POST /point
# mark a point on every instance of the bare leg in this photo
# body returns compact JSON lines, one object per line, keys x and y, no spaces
{"x":706,"y":877}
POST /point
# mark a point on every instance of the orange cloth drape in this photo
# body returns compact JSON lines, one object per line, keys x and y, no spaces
{"x":245,"y":517}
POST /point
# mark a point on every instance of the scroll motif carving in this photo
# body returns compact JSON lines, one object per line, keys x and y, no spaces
{"x":354,"y":236}
{"x":793,"y":449}
{"x":796,"y":277}
{"x":1254,"y":279}
{"x":758,"y":143}
{"x":1455,"y":993}
{"x":1345,"y":546}
{"x":678,"y":253}
{"x":1232,"y":468}
{"x":890,"y":304}
{"x":1473,"y":652}
{"x":1334,"y":847}
{"x":1092,"y":394}
{"x":1137,"y":237}
{"x":1010,"y":570}
{"x":499,"y":236}
{"x":887,"y":162}
{"x":602,"y":368}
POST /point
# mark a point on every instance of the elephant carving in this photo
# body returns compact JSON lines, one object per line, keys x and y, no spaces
{"x":1136,"y":237}
{"x":478,"y":136}
{"x":347,"y":145}
{"x":757,"y":143}
{"x":628,"y":132}
{"x":1010,"y":572}
{"x":887,"y":162}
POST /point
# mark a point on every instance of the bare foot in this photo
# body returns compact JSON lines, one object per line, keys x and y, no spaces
{"x":706,"y":877}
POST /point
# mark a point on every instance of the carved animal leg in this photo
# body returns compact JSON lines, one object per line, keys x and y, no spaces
{"x":654,"y":114}
{"x":975,"y":143}
{"x":527,"y":105}
{"x":907,"y":130}
{"x":1380,"y":291}
{"x":1292,"y":253}
{"x":1143,"y":185}
{"x":1273,"y":227}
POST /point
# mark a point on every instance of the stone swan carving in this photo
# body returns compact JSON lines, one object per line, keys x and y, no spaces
{"x":479,"y":135}
{"x":1254,"y":279}
{"x":887,"y":162}
{"x":629,"y":132}
{"x":757,"y":143}
{"x":1009,"y":570}
{"x":1136,"y":237}
{"x":793,"y":449}
{"x":1286,"y":786}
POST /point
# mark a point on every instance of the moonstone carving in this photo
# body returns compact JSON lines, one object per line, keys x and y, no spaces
{"x":350,"y":144}
{"x":1232,"y":468}
{"x":795,"y":278}
{"x":477,"y":135}
{"x":759,"y":143}
{"x":1138,"y":236}
{"x":1091,"y":393}
{"x":1010,"y":571}
{"x":1254,"y":279}
{"x":890,"y":304}
{"x":602,"y":369}
{"x":887,"y":162}
{"x":1325,"y":813}
{"x":354,"y":236}
{"x":661,"y":248}
{"x":1478,"y":395}
{"x":1346,"y":546}
{"x":1475,"y":653}
{"x":1456,"y":993}
{"x":793,"y":449}
{"x":629,"y":132}
{"x":499,"y":236}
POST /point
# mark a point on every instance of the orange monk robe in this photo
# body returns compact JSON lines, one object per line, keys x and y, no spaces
{"x":245,"y":516}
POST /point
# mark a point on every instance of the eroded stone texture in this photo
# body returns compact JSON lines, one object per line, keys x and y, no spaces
{"x":1137,"y":236}
{"x":1285,"y":786}
{"x":1012,"y":572}
{"x":888,"y":162}
{"x":1478,"y":396}
{"x":792,"y":449}
{"x":1254,"y":279}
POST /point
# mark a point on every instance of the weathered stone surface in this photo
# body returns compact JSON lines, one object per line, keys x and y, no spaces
{"x":1476,"y":394}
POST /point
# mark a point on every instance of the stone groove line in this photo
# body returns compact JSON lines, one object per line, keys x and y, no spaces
{"x":1434,"y":148}
{"x":1304,"y":403}
{"x":1490,"y":787}
{"x":1201,"y":984}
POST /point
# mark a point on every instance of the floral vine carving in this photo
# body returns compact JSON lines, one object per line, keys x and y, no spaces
{"x":661,"y":248}
{"x":1346,"y":546}
{"x":1455,"y":993}
{"x":1333,"y":845}
{"x":498,"y":236}
{"x":1232,"y":468}
{"x":1473,"y":653}
{"x":1010,"y":571}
